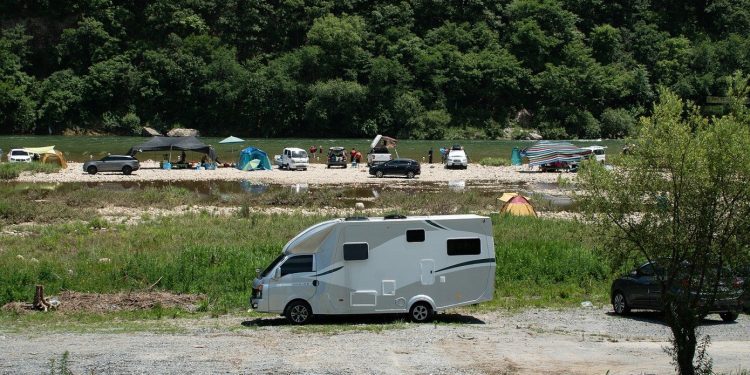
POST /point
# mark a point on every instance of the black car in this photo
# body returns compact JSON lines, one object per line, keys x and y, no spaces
{"x":398,"y":167}
{"x":640,"y":289}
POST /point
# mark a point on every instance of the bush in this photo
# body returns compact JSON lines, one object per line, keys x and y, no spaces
{"x":617,"y":123}
{"x":9,"y":171}
{"x":494,"y":162}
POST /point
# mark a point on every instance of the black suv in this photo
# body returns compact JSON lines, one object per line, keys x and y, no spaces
{"x":640,"y":289}
{"x":399,"y":167}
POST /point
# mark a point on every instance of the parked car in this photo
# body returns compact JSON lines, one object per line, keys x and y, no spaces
{"x":597,"y":153}
{"x":112,"y":163}
{"x":294,"y":158}
{"x":398,"y":167}
{"x":640,"y":289}
{"x":457,"y":159}
{"x":18,"y":155}
{"x":336,"y":157}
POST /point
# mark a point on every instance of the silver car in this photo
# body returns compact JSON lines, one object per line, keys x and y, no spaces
{"x":112,"y":163}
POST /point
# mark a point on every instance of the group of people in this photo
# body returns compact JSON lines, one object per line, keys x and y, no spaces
{"x":443,"y":154}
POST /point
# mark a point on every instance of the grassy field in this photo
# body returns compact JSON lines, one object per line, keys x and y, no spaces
{"x":9,"y":171}
{"x":540,"y":262}
{"x":81,"y":148}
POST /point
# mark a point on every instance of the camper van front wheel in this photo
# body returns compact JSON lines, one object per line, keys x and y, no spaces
{"x":420,"y":312}
{"x":298,"y":312}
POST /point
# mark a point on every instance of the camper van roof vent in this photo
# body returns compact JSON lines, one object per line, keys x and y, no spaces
{"x":356,"y":218}
{"x":393,"y":217}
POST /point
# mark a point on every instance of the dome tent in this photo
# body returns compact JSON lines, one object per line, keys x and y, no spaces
{"x":252,"y":159}
{"x":516,"y":204}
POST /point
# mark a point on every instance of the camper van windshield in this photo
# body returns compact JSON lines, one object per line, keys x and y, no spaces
{"x":272,"y":265}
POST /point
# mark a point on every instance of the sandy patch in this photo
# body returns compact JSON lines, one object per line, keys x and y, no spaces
{"x":99,"y":303}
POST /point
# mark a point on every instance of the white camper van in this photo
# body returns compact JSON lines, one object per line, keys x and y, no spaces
{"x":294,"y":158}
{"x":392,"y":264}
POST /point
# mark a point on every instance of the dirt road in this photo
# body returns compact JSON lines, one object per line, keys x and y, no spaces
{"x":573,"y":341}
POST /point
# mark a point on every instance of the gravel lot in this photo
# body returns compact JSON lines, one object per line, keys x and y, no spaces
{"x":316,"y":174}
{"x":573,"y":341}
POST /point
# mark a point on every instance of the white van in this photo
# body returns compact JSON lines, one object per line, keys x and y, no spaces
{"x":294,"y":158}
{"x":392,"y":264}
{"x":379,"y":152}
{"x":598,"y":152}
{"x":18,"y":155}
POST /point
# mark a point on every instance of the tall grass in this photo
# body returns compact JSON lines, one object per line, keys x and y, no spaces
{"x":9,"y":171}
{"x":538,"y":261}
{"x":494,"y":162}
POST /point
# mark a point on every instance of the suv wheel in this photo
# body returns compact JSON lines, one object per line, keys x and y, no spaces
{"x":619,"y":304}
{"x":729,"y":316}
{"x":410,"y":174}
{"x":126,"y":170}
{"x":379,"y":174}
{"x":91,"y":169}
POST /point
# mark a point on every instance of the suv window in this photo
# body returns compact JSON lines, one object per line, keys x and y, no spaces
{"x":19,"y":152}
{"x":300,"y":263}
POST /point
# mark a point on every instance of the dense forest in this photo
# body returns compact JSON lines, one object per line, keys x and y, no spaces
{"x":353,"y":68}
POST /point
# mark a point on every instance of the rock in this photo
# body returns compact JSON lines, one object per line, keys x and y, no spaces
{"x":359,"y":206}
{"x":150,"y":131}
{"x":104,"y":260}
{"x":181,"y":132}
{"x":587,"y":304}
{"x":534,"y":136}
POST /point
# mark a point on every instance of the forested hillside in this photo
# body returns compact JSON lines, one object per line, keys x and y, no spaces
{"x":353,"y":68}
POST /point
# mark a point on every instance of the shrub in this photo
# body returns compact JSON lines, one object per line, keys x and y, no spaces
{"x":494,"y":162}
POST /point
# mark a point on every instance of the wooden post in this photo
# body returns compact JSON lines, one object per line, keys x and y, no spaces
{"x":40,"y":303}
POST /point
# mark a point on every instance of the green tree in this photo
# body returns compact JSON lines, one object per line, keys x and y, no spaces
{"x":679,"y":197}
{"x":336,"y":105}
{"x":17,"y":104}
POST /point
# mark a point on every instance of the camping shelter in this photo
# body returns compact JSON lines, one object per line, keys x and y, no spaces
{"x":516,"y":204}
{"x":48,"y":155}
{"x":548,"y":152}
{"x":253,"y":159}
{"x":174,"y":143}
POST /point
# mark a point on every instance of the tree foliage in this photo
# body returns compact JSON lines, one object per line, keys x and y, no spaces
{"x":680,"y":197}
{"x":269,"y":68}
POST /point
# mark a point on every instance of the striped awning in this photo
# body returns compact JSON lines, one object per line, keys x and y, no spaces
{"x":548,"y":152}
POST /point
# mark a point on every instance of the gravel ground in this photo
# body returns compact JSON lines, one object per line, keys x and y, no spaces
{"x":573,"y":341}
{"x":316,"y":174}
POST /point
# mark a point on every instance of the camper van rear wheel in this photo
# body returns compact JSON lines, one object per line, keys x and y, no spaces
{"x":298,"y":312}
{"x":91,"y":169}
{"x":421,"y":312}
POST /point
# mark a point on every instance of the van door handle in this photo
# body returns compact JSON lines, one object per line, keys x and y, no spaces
{"x":315,"y":282}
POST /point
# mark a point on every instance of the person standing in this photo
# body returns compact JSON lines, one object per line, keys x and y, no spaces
{"x":429,"y":156}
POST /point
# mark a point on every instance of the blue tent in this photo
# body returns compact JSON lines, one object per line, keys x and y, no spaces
{"x":252,"y":159}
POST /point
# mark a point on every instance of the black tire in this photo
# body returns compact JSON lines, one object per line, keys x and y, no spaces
{"x":328,"y":166}
{"x":619,"y":304}
{"x":91,"y":169}
{"x":729,"y":316}
{"x":347,"y":166}
{"x":126,"y":170}
{"x":379,"y":174}
{"x":421,"y":312}
{"x":298,"y":312}
{"x":410,"y":174}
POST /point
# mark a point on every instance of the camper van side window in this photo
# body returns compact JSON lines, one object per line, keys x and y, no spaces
{"x":464,"y":246}
{"x":415,"y":235}
{"x":300,"y":263}
{"x":355,"y":251}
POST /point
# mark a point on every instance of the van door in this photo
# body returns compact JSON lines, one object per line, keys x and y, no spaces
{"x":427,"y":268}
{"x":297,"y":280}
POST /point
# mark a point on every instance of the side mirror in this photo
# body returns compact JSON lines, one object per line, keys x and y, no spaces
{"x":277,"y":273}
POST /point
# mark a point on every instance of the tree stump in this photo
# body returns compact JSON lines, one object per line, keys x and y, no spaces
{"x":40,"y":303}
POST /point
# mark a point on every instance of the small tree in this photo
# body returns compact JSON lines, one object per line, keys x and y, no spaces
{"x":680,"y":197}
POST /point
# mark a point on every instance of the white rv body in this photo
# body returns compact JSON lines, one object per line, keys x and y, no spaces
{"x":382,"y":265}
